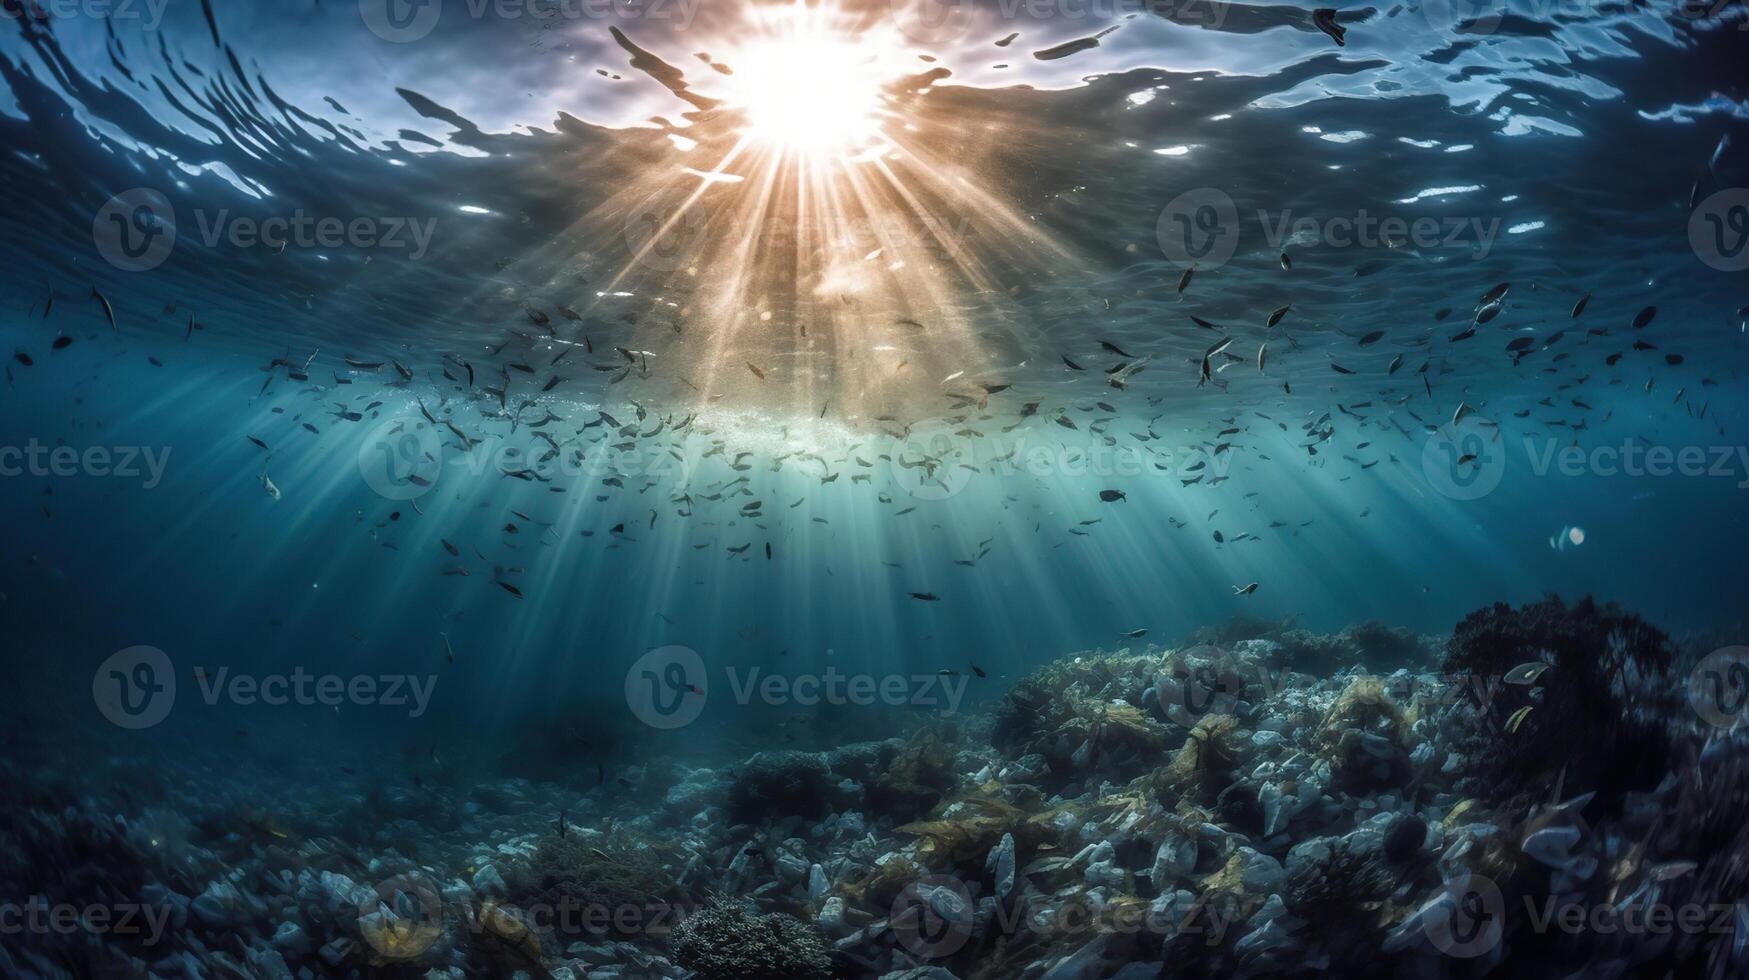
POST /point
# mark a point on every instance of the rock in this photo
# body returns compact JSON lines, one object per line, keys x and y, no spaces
{"x":487,"y":881}
{"x":1404,"y":836}
{"x":291,"y":939}
{"x":1001,"y":866}
{"x":216,"y":907}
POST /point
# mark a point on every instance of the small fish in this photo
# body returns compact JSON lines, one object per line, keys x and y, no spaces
{"x":108,"y":311}
{"x":1115,"y":349}
{"x":756,"y":372}
{"x":1135,"y":634}
{"x":268,"y":486}
{"x":1275,"y":317}
{"x":1645,"y":316}
{"x":1526,"y":673}
{"x":1245,"y":589}
{"x":926,"y":596}
{"x":1112,"y":496}
{"x":1517,"y":719}
{"x":1579,"y":307}
{"x":448,"y":651}
{"x":62,"y":342}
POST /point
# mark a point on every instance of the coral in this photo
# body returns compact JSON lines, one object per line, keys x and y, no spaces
{"x":778,"y":784}
{"x":1343,"y":884}
{"x":727,"y":940}
{"x":1372,"y":644}
{"x":1583,"y":715}
{"x":916,"y":779}
{"x":576,"y":879}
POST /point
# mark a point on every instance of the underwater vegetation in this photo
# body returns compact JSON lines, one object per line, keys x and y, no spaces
{"x":1206,"y":809}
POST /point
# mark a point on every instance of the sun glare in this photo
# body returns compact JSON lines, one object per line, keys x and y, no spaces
{"x":809,"y":91}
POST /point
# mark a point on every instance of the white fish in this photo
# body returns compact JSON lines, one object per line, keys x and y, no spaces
{"x":267,"y":484}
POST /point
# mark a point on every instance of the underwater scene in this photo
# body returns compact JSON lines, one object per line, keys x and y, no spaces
{"x":900,"y":489}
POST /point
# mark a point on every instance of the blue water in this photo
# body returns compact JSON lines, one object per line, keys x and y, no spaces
{"x":821,"y":315}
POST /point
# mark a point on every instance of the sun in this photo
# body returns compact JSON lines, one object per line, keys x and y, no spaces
{"x":809,"y":91}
